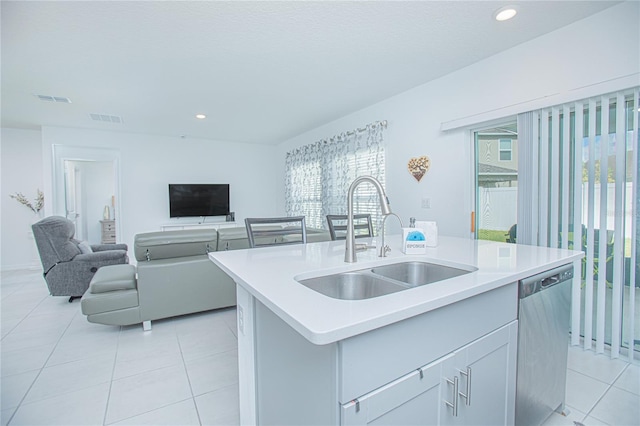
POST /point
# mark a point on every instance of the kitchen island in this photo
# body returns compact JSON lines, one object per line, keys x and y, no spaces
{"x":405,"y":357}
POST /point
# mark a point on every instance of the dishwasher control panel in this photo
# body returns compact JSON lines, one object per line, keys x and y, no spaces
{"x":543,"y":280}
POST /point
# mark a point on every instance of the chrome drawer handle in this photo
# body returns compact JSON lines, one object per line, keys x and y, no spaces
{"x":454,"y":404}
{"x":467,"y":395}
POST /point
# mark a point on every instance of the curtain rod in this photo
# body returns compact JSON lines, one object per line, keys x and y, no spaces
{"x":382,"y":123}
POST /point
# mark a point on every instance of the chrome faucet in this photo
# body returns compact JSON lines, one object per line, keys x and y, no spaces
{"x":350,"y":251}
{"x":384,"y":249}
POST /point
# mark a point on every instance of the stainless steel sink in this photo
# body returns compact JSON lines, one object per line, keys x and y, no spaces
{"x":352,"y":285}
{"x":418,"y":273}
{"x":381,"y":280}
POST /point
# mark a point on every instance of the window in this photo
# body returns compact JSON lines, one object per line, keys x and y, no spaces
{"x":505,"y":149}
{"x":318,"y":176}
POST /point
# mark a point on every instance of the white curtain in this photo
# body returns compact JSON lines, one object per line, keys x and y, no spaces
{"x":318,"y":175}
{"x":580,"y":162}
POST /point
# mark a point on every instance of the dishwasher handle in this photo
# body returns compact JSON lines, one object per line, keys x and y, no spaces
{"x":532,"y":285}
{"x":549,"y":281}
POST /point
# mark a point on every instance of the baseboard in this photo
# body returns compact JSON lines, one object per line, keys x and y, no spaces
{"x":25,"y":267}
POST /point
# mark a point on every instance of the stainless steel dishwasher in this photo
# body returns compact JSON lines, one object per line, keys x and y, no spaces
{"x":543,"y":342}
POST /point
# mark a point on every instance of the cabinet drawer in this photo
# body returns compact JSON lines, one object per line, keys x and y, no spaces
{"x":407,"y":345}
{"x":108,"y":231}
{"x":411,"y":399}
{"x":108,"y":225}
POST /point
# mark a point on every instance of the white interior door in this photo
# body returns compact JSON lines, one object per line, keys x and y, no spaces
{"x":73,"y":197}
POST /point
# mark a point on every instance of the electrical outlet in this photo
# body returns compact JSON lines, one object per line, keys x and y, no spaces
{"x":426,"y":203}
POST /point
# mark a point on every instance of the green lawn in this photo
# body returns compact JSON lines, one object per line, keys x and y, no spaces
{"x":486,"y":234}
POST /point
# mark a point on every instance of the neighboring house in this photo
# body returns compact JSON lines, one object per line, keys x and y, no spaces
{"x":497,"y":160}
{"x":490,"y":176}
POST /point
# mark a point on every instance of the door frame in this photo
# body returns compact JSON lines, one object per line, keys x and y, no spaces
{"x":478,"y":128}
{"x":62,"y":153}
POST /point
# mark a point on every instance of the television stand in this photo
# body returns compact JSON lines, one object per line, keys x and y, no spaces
{"x":197,"y":225}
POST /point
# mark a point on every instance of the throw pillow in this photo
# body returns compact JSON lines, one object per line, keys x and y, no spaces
{"x":84,"y":247}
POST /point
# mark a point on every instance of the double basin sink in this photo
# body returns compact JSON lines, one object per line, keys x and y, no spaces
{"x":381,"y":280}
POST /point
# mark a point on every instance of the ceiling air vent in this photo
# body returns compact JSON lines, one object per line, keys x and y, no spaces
{"x":57,"y":99}
{"x":106,"y":118}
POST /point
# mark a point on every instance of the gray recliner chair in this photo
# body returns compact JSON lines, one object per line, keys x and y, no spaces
{"x":69,"y":264}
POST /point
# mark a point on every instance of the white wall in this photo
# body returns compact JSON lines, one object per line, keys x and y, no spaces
{"x":147,"y":164}
{"x":21,"y":171}
{"x":598,"y":49}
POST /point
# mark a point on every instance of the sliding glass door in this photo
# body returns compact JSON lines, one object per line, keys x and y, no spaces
{"x":581,"y":188}
{"x":496,"y":186}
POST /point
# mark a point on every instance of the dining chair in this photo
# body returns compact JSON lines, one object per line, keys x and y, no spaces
{"x":276,"y":230}
{"x":362,"y":226}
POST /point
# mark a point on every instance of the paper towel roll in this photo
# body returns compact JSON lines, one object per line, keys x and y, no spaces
{"x":430,"y":230}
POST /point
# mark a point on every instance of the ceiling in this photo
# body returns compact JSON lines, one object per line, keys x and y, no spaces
{"x":261,"y":71}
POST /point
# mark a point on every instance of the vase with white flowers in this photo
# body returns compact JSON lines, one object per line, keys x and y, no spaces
{"x":35,"y":206}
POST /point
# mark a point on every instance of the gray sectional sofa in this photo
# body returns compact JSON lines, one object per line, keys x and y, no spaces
{"x":174,"y":276}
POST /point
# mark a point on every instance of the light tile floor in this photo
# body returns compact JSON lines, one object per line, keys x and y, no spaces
{"x":58,"y":369}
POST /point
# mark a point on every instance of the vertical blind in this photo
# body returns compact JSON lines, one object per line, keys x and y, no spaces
{"x":580,"y":162}
{"x":318,"y":175}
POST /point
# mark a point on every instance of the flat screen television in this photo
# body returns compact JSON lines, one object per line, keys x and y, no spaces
{"x":189,"y":200}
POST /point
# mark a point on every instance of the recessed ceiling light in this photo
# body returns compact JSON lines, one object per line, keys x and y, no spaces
{"x":505,"y":13}
{"x":201,"y":116}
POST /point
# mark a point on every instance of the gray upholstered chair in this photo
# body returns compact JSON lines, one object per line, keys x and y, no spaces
{"x":69,"y":264}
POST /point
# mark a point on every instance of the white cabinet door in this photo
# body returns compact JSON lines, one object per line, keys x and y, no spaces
{"x":413,"y":399}
{"x":485,"y":371}
{"x":473,"y":385}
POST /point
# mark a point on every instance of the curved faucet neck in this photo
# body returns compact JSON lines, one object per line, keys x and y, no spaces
{"x":383,"y":247}
{"x":350,"y":252}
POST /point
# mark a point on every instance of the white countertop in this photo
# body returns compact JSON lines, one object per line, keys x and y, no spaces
{"x":268,"y":275}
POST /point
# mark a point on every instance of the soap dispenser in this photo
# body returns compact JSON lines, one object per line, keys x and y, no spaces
{"x":413,"y":240}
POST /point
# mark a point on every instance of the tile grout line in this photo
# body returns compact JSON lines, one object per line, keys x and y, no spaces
{"x":43,"y":365}
{"x":25,"y":317}
{"x":184,"y":365}
{"x":620,"y":389}
{"x":609,"y":387}
{"x":158,"y":408}
{"x":113,"y":371}
{"x":45,"y":362}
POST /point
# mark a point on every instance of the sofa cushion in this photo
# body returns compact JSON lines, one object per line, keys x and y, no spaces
{"x":84,"y":247}
{"x":113,"y":278}
{"x":179,"y":286}
{"x":107,"y":302}
{"x":232,"y":238}
{"x":171,"y":244}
